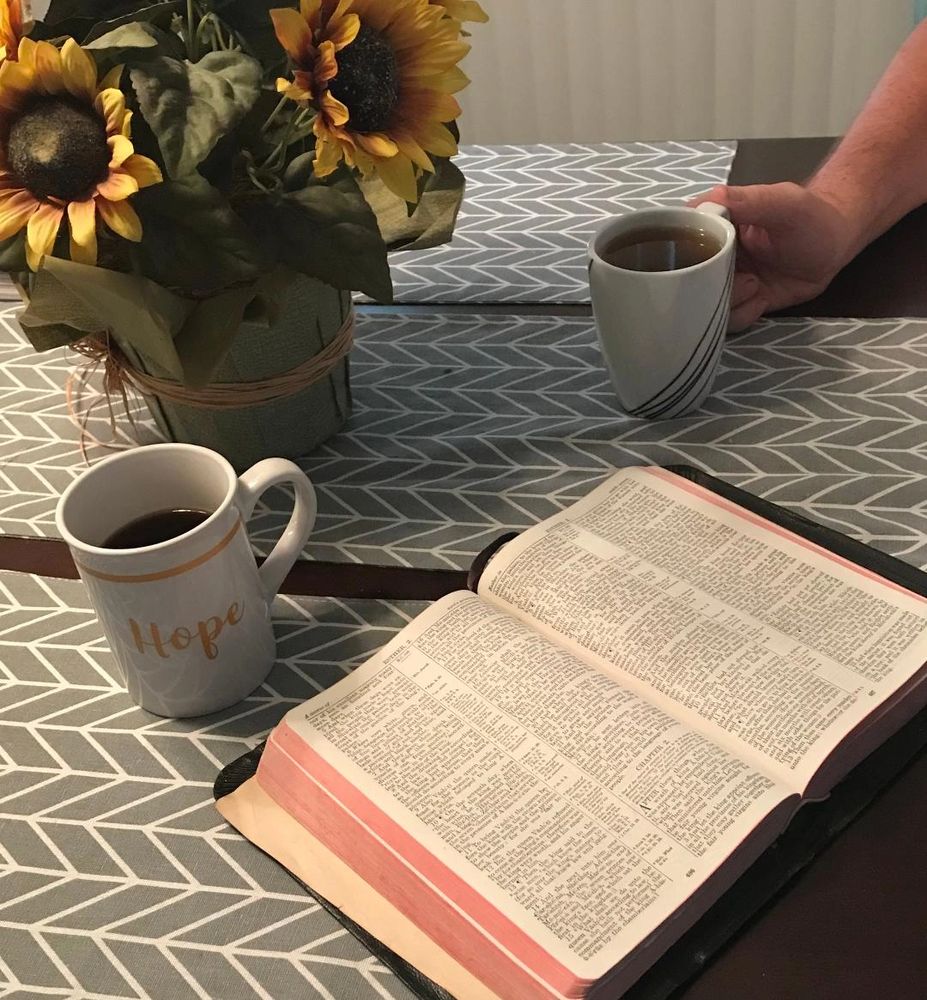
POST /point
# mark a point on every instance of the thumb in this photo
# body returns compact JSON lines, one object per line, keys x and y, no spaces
{"x":766,"y":205}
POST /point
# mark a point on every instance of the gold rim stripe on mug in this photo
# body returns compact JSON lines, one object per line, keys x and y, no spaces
{"x":165,"y":574}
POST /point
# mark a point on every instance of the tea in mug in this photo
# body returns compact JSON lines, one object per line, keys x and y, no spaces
{"x":660,"y":248}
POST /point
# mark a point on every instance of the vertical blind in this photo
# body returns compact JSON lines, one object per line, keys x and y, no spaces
{"x":548,"y":70}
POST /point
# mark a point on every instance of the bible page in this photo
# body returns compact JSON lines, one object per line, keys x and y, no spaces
{"x":746,"y":632}
{"x":585,"y":815}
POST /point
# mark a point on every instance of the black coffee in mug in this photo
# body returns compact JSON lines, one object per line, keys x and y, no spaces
{"x":152,"y":529}
{"x":660,"y":248}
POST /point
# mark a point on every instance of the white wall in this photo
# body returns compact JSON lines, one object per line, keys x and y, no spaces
{"x":559,"y":70}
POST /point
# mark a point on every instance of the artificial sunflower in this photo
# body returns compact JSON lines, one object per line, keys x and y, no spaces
{"x":66,"y":147}
{"x":381,"y":75}
{"x":11,"y":28}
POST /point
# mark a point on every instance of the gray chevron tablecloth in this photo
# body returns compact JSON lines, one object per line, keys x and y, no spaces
{"x":118,"y":878}
{"x":530,"y":210}
{"x":467,"y":425}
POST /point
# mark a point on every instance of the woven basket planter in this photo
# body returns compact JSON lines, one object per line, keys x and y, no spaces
{"x":291,"y":427}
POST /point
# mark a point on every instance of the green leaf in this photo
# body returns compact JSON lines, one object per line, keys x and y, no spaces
{"x":193,"y":240}
{"x":54,"y":317}
{"x":47,"y":336}
{"x":327,"y":231}
{"x":190,"y":106}
{"x":82,"y":18}
{"x":299,"y":172}
{"x":270,"y":293}
{"x":13,"y":253}
{"x":432,"y":223}
{"x":61,"y":10}
{"x":134,"y":310}
{"x":208,"y":333}
{"x":158,"y":14}
{"x":129,"y":42}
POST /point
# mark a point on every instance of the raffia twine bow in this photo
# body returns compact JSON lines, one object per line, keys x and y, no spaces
{"x":122,"y":381}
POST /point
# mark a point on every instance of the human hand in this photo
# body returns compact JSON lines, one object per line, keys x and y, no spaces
{"x":792,"y":241}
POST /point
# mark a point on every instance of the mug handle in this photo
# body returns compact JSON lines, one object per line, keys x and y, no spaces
{"x":256,"y":481}
{"x":713,"y":208}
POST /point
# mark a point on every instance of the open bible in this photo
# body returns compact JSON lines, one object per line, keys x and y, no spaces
{"x":534,"y":790}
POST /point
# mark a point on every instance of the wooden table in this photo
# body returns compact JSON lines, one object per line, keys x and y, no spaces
{"x":855,"y":925}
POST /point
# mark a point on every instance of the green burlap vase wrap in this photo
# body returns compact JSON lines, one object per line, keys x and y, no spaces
{"x":311,"y":316}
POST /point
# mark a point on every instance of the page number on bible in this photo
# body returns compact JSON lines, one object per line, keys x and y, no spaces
{"x":690,"y":873}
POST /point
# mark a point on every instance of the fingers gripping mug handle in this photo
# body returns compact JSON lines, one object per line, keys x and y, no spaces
{"x":256,"y":481}
{"x":713,"y":208}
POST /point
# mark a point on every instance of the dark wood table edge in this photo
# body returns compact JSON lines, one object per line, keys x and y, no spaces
{"x":50,"y":557}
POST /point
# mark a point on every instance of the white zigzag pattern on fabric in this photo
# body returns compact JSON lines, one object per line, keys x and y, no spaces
{"x":117,"y":876}
{"x":467,"y":425}
{"x":530,"y":211}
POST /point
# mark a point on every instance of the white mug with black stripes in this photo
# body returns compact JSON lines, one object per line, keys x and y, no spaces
{"x":661,"y":293}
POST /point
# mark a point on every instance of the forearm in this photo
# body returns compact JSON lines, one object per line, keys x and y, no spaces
{"x":878,"y":173}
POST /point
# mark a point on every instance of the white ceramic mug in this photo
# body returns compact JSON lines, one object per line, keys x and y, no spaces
{"x":189,"y":619}
{"x":661,"y":332}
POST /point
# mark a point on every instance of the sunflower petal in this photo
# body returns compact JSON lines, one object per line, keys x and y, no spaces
{"x":467,"y":10}
{"x":309,"y":11}
{"x":293,"y":34}
{"x":26,"y":53}
{"x":146,"y":172}
{"x":16,"y":207}
{"x":328,"y":155}
{"x":358,"y":158}
{"x":436,"y":138}
{"x":79,"y":71}
{"x":344,"y":31}
{"x":49,"y":74}
{"x":398,"y":174}
{"x":333,"y":110}
{"x":452,"y":81}
{"x":428,"y":106}
{"x":121,"y":217}
{"x":127,"y":124}
{"x":118,"y":186}
{"x":82,"y":216}
{"x":376,"y":144}
{"x":121,"y":149}
{"x":16,"y":81}
{"x":293,"y":90}
{"x":326,"y":65}
{"x":111,"y":104}
{"x":409,"y":147}
{"x":433,"y":59}
{"x":41,"y":232}
{"x":341,"y":10}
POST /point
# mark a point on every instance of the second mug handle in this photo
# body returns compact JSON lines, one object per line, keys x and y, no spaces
{"x":256,"y":481}
{"x":713,"y":208}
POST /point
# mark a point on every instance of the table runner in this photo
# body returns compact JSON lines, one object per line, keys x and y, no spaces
{"x":468,"y":425}
{"x":529,"y":212}
{"x":117,"y":876}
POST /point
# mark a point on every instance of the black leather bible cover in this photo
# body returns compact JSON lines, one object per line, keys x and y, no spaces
{"x":812,"y":829}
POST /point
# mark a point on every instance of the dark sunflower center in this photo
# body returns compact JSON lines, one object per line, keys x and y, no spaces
{"x":368,"y":81}
{"x":57,"y":148}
